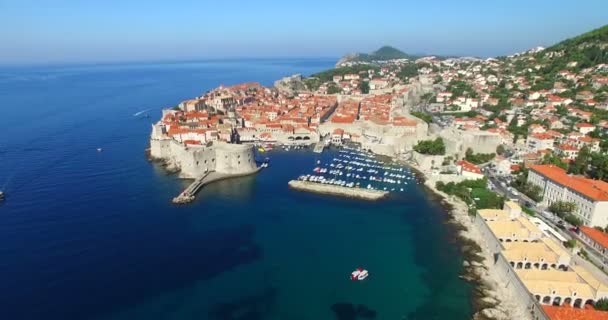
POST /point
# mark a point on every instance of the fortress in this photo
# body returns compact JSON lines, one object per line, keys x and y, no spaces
{"x":195,"y":160}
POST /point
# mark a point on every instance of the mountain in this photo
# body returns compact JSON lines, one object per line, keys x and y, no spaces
{"x":384,"y":53}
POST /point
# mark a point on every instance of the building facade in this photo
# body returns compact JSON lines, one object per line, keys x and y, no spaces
{"x":589,"y":196}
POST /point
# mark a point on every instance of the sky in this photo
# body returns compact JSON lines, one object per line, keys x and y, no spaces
{"x":64,"y":31}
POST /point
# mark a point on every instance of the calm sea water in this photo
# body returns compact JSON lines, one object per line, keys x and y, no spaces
{"x":88,"y":235}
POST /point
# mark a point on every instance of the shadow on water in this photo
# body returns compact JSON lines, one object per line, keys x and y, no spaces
{"x":255,"y":307}
{"x":154,"y":270}
{"x":348,"y":311}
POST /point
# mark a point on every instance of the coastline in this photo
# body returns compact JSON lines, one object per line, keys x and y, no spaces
{"x":491,"y":300}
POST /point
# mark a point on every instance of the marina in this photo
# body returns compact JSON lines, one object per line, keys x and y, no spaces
{"x":360,"y":170}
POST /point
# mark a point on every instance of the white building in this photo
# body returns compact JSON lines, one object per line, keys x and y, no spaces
{"x":540,"y":141}
{"x":589,"y":196}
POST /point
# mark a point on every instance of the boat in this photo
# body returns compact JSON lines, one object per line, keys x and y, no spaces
{"x":1,"y":196}
{"x":261,"y":149}
{"x":359,"y":274}
{"x":99,"y":149}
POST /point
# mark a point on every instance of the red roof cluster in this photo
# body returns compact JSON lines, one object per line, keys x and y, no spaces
{"x":596,"y":235}
{"x":467,"y":166}
{"x":567,"y":313}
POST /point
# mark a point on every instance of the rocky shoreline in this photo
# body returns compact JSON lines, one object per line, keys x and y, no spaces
{"x":491,"y":300}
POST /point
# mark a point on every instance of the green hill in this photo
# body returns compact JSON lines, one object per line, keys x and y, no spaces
{"x":595,"y":36}
{"x":587,"y":50}
{"x":388,"y":53}
{"x":384,"y":53}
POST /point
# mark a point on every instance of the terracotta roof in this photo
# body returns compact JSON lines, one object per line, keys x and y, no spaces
{"x":542,"y":136}
{"x":467,"y":166}
{"x":596,"y":235}
{"x":593,"y":189}
{"x":567,"y":147}
{"x":567,"y":313}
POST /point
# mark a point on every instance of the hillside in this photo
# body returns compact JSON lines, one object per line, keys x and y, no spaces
{"x":580,"y":52}
{"x":384,"y":53}
{"x":598,"y":35}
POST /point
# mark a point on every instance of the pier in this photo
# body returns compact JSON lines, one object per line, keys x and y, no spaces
{"x":319,"y":146}
{"x":358,"y":193}
{"x":189,"y":194}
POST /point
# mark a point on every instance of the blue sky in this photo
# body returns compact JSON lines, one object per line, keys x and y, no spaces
{"x":47,"y":31}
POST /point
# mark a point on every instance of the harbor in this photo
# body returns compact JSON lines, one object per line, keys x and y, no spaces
{"x":351,"y":168}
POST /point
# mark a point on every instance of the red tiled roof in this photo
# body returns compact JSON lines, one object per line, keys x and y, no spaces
{"x":596,"y":235}
{"x":567,"y":313}
{"x":567,"y":147}
{"x":467,"y":166}
{"x":192,"y":142}
{"x":594,"y":189}
{"x":542,"y":136}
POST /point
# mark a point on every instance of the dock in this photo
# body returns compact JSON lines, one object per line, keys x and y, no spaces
{"x":189,"y":194}
{"x":359,"y":193}
{"x":319,"y":146}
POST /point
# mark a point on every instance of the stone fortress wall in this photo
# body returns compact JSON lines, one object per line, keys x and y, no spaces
{"x":505,"y":271}
{"x":193,"y":161}
{"x":457,"y":142}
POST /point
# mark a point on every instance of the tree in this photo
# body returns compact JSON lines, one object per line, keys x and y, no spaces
{"x":431,"y":147}
{"x":570,"y":243}
{"x":601,"y":304}
{"x":573,"y":220}
{"x":424,"y":116}
{"x":364,"y":87}
{"x":550,"y":158}
{"x":562,"y":208}
{"x":479,"y":157}
{"x":333,"y":89}
{"x":500,"y":150}
{"x":579,"y":165}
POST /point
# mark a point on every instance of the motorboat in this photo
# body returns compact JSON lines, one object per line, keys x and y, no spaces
{"x":359,"y":274}
{"x":1,"y":196}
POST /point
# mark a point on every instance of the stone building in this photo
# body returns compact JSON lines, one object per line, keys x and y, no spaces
{"x":589,"y":196}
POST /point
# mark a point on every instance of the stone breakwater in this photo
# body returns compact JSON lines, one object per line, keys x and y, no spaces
{"x":358,"y":193}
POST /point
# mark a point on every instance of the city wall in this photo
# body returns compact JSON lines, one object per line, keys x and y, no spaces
{"x":504,"y":270}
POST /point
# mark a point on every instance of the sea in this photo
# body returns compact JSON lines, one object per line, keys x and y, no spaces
{"x":93,"y":235}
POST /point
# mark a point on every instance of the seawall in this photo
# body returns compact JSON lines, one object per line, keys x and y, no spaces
{"x":365,"y":194}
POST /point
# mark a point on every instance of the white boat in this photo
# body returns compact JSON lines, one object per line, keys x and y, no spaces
{"x":359,"y":274}
{"x":99,"y":149}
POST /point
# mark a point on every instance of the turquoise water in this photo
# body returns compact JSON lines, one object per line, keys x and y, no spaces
{"x":87,"y":235}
